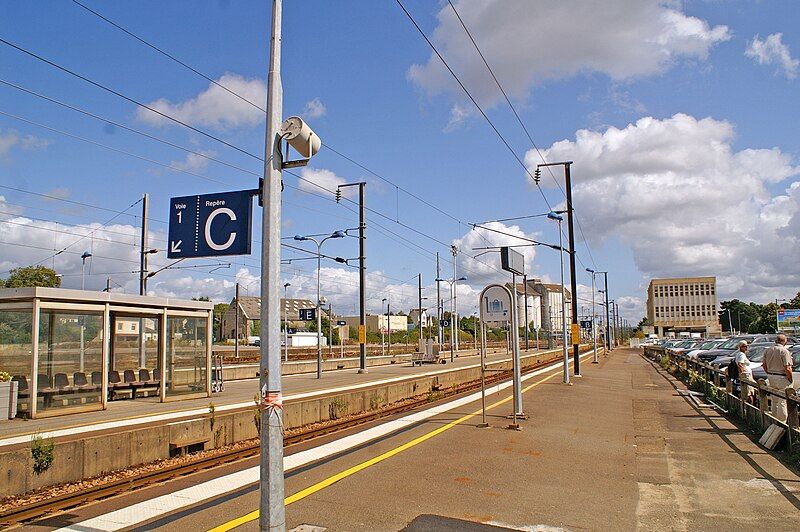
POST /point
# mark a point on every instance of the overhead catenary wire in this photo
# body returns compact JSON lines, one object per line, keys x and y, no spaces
{"x":519,"y":119}
{"x":127,"y":98}
{"x":125,"y":127}
{"x":99,"y":85}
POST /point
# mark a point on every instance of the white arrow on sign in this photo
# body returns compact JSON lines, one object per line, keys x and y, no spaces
{"x":175,"y":247}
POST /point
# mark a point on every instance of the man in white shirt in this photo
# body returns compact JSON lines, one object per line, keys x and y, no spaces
{"x":744,"y":367}
{"x":778,"y":365}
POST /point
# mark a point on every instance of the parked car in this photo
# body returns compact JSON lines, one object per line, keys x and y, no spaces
{"x":759,"y":373}
{"x":705,"y":346}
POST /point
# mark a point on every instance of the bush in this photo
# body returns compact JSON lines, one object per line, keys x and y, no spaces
{"x":43,"y":453}
{"x":5,"y":377}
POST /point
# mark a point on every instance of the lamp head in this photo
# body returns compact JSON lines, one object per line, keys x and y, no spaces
{"x":461,"y":279}
{"x":338,"y":234}
{"x":300,"y":238}
{"x":86,"y":255}
{"x":286,"y":285}
{"x":552,"y":215}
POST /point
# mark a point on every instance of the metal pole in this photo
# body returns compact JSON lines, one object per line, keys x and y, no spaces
{"x":236,"y":339}
{"x":319,"y":313}
{"x":362,"y":280}
{"x":388,"y":326}
{"x":285,"y":324}
{"x":572,"y":273}
{"x":594,"y":326}
{"x":563,"y":307}
{"x":515,"y":351}
{"x":272,"y":512}
{"x":330,"y":330}
{"x":419,"y":317}
{"x":483,"y":372}
{"x":605,"y":293}
{"x":527,"y":323}
{"x":143,"y":250}
{"x":438,"y":302}
{"x":454,"y":317}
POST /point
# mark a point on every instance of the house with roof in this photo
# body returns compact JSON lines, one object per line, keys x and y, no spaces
{"x":250,"y":314}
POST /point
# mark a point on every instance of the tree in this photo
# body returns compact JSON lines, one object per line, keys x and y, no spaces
{"x":795,"y":302}
{"x":32,"y":276}
{"x":765,"y":321}
{"x":220,"y":309}
{"x":742,"y":315}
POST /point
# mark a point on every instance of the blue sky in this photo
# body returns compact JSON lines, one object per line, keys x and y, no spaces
{"x":681,"y":196}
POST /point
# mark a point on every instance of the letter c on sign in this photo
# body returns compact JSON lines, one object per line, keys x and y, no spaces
{"x":210,"y":241}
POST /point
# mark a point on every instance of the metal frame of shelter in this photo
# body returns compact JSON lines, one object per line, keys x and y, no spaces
{"x":108,"y":307}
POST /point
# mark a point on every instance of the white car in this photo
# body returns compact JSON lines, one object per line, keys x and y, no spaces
{"x":711,"y":344}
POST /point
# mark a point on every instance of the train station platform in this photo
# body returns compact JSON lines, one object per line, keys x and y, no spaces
{"x":239,"y":394}
{"x":620,"y":449}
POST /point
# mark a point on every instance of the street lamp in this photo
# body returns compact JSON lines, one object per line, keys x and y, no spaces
{"x":85,"y":256}
{"x":594,"y":324}
{"x":452,"y":283}
{"x":301,"y":238}
{"x":285,"y":324}
{"x":558,"y":218}
{"x":383,"y":339}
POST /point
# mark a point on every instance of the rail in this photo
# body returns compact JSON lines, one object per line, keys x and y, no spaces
{"x":713,"y":381}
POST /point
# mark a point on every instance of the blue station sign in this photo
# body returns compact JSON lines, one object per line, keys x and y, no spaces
{"x":210,"y":225}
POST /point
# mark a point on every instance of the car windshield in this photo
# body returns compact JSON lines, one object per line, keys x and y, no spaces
{"x":756,"y":353}
{"x":708,"y":345}
{"x":732,"y":342}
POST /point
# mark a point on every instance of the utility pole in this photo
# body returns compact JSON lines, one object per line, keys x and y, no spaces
{"x":608,"y":328}
{"x":389,"y":326}
{"x":143,"y":251}
{"x":454,"y":302}
{"x":330,"y":330}
{"x":527,"y":323}
{"x":594,"y":320}
{"x":438,"y":302}
{"x":419,"y":317}
{"x":362,"y":276}
{"x":573,"y":277}
{"x":236,"y":322}
{"x":272,"y":511}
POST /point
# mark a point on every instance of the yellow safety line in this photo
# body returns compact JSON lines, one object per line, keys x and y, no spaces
{"x":302,"y":494}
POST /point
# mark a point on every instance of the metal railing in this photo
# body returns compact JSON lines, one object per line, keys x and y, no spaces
{"x":713,"y":381}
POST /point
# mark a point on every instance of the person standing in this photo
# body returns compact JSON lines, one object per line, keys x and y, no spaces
{"x":743,"y":364}
{"x":778,"y":365}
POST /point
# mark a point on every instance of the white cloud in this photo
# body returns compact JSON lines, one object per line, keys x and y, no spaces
{"x":315,"y":109}
{"x":214,"y":107}
{"x":687,"y":203}
{"x":192,"y":162}
{"x":486,"y":268}
{"x":14,"y":139}
{"x":322,"y":181}
{"x":528,"y":43}
{"x":772,"y":51}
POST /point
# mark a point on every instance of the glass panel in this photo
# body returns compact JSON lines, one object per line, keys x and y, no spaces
{"x":135,"y":360}
{"x":15,"y":352}
{"x":186,"y":355}
{"x":70,"y":359}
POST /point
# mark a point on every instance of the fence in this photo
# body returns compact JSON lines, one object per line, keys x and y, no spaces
{"x":713,"y":382}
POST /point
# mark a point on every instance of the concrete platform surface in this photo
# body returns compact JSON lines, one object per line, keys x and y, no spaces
{"x":617,"y":450}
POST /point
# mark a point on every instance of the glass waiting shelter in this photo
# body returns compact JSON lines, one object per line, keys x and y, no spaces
{"x":76,"y":350}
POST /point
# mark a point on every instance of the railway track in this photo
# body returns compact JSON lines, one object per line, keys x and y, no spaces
{"x":46,"y":507}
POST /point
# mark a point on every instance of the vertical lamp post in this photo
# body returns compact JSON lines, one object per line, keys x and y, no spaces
{"x":301,"y":238}
{"x":594,"y":324}
{"x":85,"y":256}
{"x":383,"y":329}
{"x":285,"y":324}
{"x":558,"y":218}
{"x":777,"y":314}
{"x":452,"y":282}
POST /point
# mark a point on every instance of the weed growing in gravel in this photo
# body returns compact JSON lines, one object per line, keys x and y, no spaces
{"x":43,"y":453}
